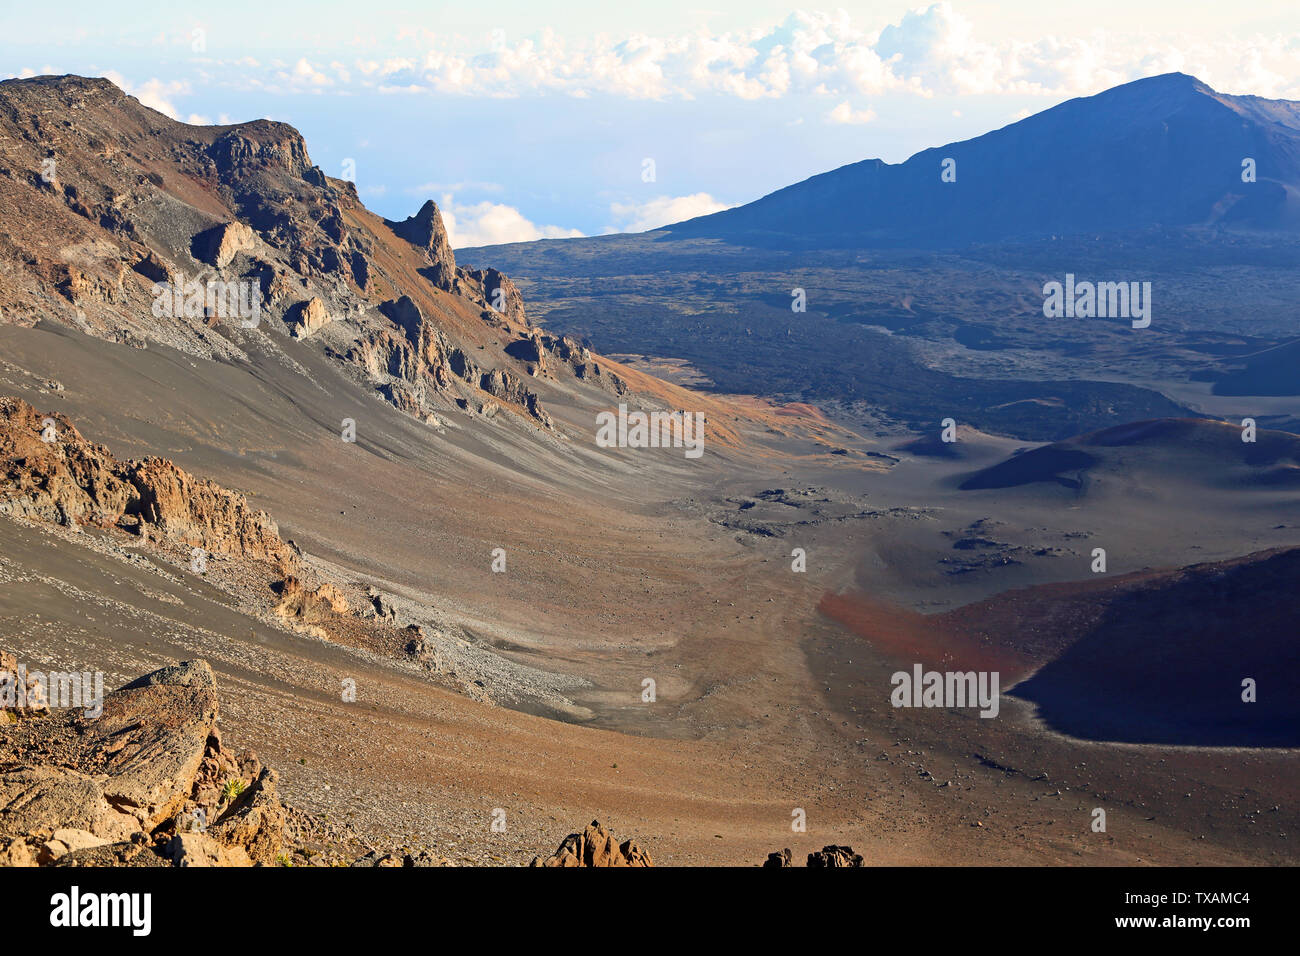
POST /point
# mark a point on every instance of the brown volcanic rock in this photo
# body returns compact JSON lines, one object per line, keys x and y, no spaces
{"x":307,"y":317}
{"x":425,"y":231}
{"x":180,"y":507}
{"x":199,"y":849}
{"x":16,"y":853}
{"x":490,"y":287}
{"x":152,"y":738}
{"x":254,"y":821}
{"x":28,"y":696}
{"x":128,"y":770}
{"x":219,"y":245}
{"x":828,"y":856}
{"x":150,"y":771}
{"x":834,"y":856}
{"x":66,"y":479}
{"x":426,"y":355}
{"x":259,"y":146}
{"x":595,"y":846}
{"x":73,"y":481}
{"x":37,"y":800}
{"x":309,"y":605}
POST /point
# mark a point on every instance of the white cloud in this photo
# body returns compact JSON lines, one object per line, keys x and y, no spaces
{"x":304,"y":72}
{"x":662,"y":211}
{"x":468,"y":185}
{"x":154,"y":93}
{"x":844,"y":113}
{"x":933,"y":50}
{"x":490,"y":224}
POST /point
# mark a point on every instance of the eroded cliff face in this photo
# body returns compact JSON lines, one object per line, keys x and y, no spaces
{"x":221,"y":241}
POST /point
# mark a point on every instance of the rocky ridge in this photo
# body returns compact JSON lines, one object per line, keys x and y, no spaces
{"x":136,"y":213}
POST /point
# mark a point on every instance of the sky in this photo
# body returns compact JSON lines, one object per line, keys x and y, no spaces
{"x":546,"y":119}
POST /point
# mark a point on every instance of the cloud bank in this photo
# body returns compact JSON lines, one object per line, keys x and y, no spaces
{"x":930,"y":51}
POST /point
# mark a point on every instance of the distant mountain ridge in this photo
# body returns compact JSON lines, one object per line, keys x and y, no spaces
{"x":1165,"y":151}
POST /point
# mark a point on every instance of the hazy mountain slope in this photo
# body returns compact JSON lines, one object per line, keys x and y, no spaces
{"x":1162,"y":151}
{"x":847,"y":287}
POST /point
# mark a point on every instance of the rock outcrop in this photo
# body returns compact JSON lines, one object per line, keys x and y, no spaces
{"x":49,"y":472}
{"x":306,"y":317}
{"x":595,"y":846}
{"x":494,"y":290}
{"x":151,"y":739}
{"x":827,"y":856}
{"x":424,"y":358}
{"x":19,"y":697}
{"x":834,"y":856}
{"x":426,"y":232}
{"x":219,"y":245}
{"x":309,"y":605}
{"x":147,"y":782}
{"x":262,"y":145}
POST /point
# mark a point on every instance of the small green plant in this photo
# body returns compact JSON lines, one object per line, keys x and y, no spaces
{"x":283,"y":860}
{"x":233,"y":788}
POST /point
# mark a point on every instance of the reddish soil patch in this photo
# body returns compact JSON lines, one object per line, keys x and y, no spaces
{"x":941,"y":641}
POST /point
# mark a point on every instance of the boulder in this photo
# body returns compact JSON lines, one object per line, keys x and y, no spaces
{"x":39,"y":799}
{"x":147,"y":782}
{"x":307,"y":605}
{"x":135,"y":852}
{"x":27,"y":697}
{"x":219,"y":245}
{"x":595,"y":846}
{"x":832,"y":856}
{"x":199,"y":849}
{"x":254,"y":822}
{"x":65,"y":841}
{"x":307,"y":317}
{"x":380,"y":606}
{"x":152,"y":737}
{"x":16,"y":852}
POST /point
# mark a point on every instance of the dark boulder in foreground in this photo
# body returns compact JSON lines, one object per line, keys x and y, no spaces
{"x":827,"y":856}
